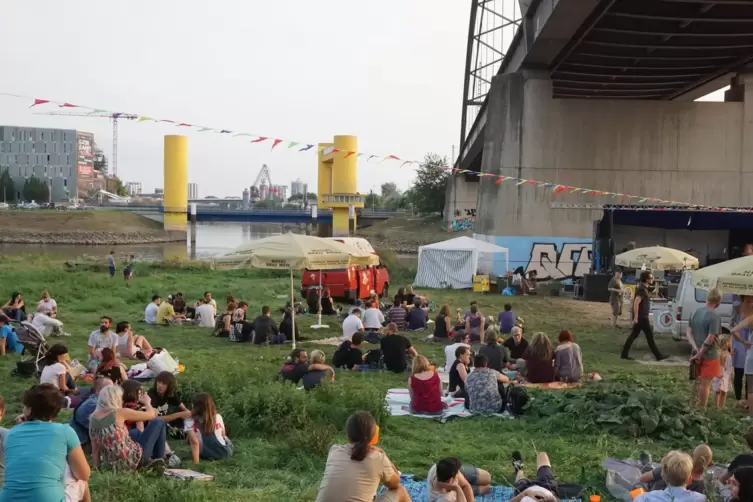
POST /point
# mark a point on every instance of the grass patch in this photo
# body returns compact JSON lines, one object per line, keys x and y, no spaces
{"x":282,"y":435}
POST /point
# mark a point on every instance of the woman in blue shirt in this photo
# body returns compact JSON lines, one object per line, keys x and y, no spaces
{"x":37,"y":451}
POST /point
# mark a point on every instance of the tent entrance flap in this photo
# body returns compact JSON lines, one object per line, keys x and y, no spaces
{"x":441,"y":268}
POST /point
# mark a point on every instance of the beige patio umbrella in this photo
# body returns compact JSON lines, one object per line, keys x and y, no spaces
{"x":732,"y":276}
{"x":293,"y":252}
{"x":656,"y":257}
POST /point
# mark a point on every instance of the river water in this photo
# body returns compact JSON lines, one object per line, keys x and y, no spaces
{"x":211,"y":239}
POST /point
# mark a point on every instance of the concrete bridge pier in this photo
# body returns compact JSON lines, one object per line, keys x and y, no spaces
{"x":698,"y":152}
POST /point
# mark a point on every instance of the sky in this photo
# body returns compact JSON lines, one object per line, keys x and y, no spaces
{"x":389,"y":72}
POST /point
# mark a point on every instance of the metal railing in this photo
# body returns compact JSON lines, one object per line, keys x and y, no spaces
{"x":363,"y":213}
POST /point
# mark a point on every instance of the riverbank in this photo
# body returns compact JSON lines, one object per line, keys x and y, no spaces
{"x":405,"y":235}
{"x":82,"y":227}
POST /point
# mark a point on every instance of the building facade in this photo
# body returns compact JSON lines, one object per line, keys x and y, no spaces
{"x":51,"y":155}
{"x":193,"y":191}
{"x":133,"y":188}
{"x":298,"y":187}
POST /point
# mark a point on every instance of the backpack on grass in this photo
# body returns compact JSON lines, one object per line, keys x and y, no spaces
{"x":517,"y":399}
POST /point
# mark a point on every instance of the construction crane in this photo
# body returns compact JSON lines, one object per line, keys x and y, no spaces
{"x":262,"y":185}
{"x":112,"y":116}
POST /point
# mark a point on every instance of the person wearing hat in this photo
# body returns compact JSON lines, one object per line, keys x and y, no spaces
{"x":150,"y":313}
{"x":352,"y":324}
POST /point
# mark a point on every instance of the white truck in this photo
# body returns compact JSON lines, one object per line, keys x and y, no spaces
{"x":687,"y":300}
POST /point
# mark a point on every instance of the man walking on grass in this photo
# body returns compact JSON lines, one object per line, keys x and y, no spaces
{"x":641,"y":322}
{"x":704,"y":329}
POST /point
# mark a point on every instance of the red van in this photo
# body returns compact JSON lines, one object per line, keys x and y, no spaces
{"x":352,"y":283}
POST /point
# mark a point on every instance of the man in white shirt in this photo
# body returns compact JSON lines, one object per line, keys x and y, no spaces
{"x":461,"y":340}
{"x":208,"y":299}
{"x":205,"y":313}
{"x":45,"y":324}
{"x":150,"y":314}
{"x":352,"y":324}
{"x":100,"y":339}
{"x":373,"y":319}
{"x":47,"y":305}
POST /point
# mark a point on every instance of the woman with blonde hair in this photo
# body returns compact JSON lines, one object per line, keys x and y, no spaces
{"x":113,"y":445}
{"x":539,"y":359}
{"x":425,"y":388}
{"x":314,"y":378}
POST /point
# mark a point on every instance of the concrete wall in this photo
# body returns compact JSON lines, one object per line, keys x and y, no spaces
{"x":683,"y":151}
{"x":460,"y":202}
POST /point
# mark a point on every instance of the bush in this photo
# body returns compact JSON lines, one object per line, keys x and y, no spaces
{"x":253,"y":406}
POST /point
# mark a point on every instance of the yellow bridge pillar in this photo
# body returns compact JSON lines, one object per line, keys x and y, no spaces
{"x":337,"y":187}
{"x":176,"y":183}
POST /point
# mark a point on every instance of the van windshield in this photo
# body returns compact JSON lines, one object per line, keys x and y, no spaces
{"x":700,"y":297}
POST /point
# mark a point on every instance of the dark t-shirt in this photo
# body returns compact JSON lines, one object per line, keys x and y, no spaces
{"x":496,"y":355}
{"x":742,"y":460}
{"x":416,"y":319}
{"x":312,"y":379}
{"x":695,"y":485}
{"x":394,"y":349}
{"x":516,"y":351}
{"x":293,"y":372}
{"x":347,"y":356}
{"x":440,"y":327}
{"x":645,"y":306}
{"x":455,"y":381}
{"x":539,"y":370}
{"x":264,"y":328}
{"x":163,"y":404}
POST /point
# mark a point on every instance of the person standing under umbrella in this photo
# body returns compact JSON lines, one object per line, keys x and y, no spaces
{"x":641,"y":322}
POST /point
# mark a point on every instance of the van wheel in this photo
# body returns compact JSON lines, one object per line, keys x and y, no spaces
{"x":385,"y":291}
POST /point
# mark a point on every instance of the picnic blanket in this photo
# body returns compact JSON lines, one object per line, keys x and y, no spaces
{"x":445,"y":377}
{"x":419,"y":492}
{"x":398,"y":403}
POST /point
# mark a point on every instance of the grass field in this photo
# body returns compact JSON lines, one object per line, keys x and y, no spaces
{"x":282,"y":435}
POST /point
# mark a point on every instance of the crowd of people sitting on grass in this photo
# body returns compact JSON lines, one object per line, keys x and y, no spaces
{"x":120,"y":425}
{"x":355,"y":471}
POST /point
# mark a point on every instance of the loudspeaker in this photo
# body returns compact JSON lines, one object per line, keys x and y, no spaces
{"x":595,"y":287}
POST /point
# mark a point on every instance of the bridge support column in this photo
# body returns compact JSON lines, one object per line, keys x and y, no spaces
{"x":176,"y":182}
{"x":652,"y":151}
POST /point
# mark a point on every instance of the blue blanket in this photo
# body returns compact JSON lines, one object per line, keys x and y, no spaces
{"x":419,"y":492}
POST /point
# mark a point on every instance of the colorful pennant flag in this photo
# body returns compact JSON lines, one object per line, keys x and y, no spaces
{"x":556,"y":188}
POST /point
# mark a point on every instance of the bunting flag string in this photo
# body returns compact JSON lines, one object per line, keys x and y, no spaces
{"x":556,"y":189}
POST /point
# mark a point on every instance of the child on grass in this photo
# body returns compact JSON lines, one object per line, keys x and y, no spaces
{"x":721,"y":383}
{"x":206,"y":431}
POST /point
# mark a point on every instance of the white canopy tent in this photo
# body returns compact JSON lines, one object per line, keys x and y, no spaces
{"x":453,"y":263}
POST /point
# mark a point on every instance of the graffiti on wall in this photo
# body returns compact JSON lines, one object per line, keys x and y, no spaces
{"x":567,"y":261}
{"x":468,"y":213}
{"x":460,"y":224}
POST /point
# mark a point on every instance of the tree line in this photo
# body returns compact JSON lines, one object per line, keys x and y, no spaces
{"x":425,"y":196}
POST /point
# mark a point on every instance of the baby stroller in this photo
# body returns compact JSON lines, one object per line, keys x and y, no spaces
{"x":35,"y":350}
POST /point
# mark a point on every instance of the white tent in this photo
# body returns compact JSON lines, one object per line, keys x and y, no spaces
{"x":453,"y":263}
